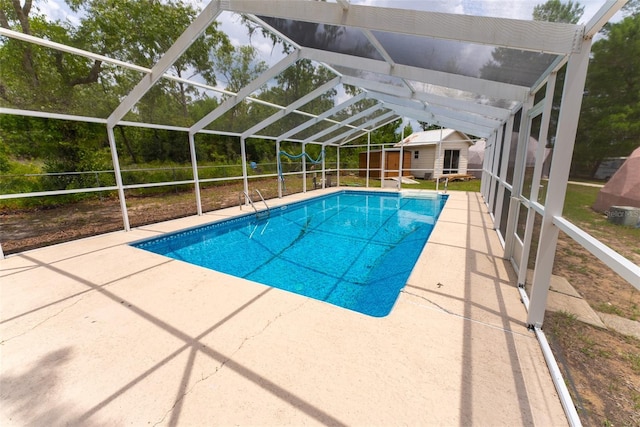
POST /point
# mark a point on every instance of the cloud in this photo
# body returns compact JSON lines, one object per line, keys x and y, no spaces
{"x":57,"y":10}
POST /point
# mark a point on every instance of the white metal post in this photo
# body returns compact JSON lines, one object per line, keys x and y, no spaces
{"x":438,"y":159}
{"x":518,"y":176}
{"x":542,"y":137}
{"x":368,"y":157}
{"x":383,"y":165}
{"x":324,"y":168}
{"x":279,"y":169}
{"x":487,"y":166}
{"x":537,"y":174}
{"x":194,"y":165}
{"x":401,"y":157}
{"x":304,"y":168}
{"x":506,"y":149}
{"x":498,"y":146}
{"x":243,"y":156}
{"x":485,"y":177}
{"x":116,"y":169}
{"x":483,"y":167}
{"x":558,"y":178}
{"x":337,"y":165}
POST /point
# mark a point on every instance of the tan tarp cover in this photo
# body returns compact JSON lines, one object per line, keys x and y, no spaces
{"x":623,"y":189}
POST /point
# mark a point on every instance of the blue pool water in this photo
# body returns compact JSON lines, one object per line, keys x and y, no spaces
{"x":354,"y":249}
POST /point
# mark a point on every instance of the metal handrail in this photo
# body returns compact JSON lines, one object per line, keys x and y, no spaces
{"x":263,"y":201}
{"x":248,"y":199}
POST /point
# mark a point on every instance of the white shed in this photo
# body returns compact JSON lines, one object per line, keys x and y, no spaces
{"x":437,"y":152}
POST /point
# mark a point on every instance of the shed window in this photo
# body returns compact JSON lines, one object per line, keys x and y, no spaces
{"x":451,"y":161}
{"x":416,"y":154}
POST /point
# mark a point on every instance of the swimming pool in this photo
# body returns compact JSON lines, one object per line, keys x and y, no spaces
{"x":353,"y":249}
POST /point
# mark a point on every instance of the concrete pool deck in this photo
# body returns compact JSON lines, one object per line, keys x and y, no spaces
{"x":95,"y":332}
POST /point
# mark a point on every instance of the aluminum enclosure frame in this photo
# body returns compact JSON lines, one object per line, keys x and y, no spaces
{"x":572,"y":44}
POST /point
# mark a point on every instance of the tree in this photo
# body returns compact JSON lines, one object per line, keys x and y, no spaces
{"x":610,"y":117}
{"x":428,"y":126}
{"x":556,"y":11}
{"x":33,"y":77}
{"x":408,"y":130}
{"x":36,"y":78}
{"x":140,"y":33}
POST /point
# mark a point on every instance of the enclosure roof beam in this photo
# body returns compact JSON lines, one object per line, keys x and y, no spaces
{"x":292,"y":107}
{"x":323,"y":116}
{"x":345,"y":122}
{"x":430,"y":117}
{"x":193,"y":31}
{"x":359,"y":128}
{"x":602,"y":16}
{"x":468,"y":117}
{"x":476,"y":85}
{"x":489,"y":88}
{"x":468,"y":128}
{"x":462,"y":105}
{"x":390,"y":89}
{"x":371,"y":129}
{"x":371,"y":85}
{"x":254,"y":85}
{"x":456,"y":108}
{"x":344,"y":4}
{"x":376,"y":43}
{"x":397,"y":100}
{"x":537,"y":36}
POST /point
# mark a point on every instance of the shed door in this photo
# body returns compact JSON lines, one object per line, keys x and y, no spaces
{"x":393,"y":164}
{"x":451,"y":161}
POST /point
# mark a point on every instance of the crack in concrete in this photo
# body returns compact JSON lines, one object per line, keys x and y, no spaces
{"x":80,"y":298}
{"x":224,"y":362}
{"x":430,"y":302}
{"x":439,"y":307}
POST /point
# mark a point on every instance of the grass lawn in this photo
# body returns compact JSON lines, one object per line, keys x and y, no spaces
{"x":577,"y":209}
{"x":473,"y":185}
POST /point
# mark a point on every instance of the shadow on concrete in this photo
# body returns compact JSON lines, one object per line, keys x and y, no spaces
{"x":191,"y":344}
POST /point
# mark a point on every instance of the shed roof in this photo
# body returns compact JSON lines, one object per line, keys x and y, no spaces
{"x":432,"y":137}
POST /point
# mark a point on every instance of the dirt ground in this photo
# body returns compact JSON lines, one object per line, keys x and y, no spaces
{"x":26,"y":229}
{"x":601,"y":367}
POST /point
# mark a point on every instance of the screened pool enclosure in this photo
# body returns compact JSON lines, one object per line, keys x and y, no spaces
{"x":416,"y":61}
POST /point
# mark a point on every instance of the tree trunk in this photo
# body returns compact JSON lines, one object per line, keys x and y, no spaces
{"x":127,"y":144}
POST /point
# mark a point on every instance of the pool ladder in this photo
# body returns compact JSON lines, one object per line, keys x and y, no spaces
{"x":259,"y":214}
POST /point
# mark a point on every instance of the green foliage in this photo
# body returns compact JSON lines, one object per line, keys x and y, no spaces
{"x":239,"y":66}
{"x":427,"y":126}
{"x":33,"y":77}
{"x":427,"y":184}
{"x":556,"y":11}
{"x":19,"y":178}
{"x":610,"y":116}
{"x":5,"y":161}
{"x":387,"y":134}
{"x":408,"y":130}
